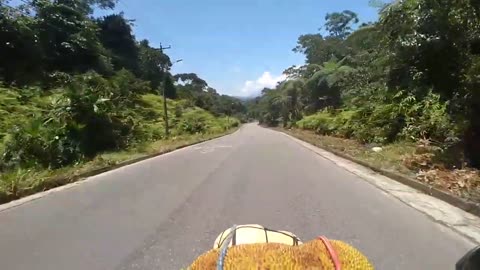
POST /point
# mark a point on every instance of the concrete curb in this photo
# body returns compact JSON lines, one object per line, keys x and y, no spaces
{"x":468,"y":206}
{"x":62,"y":183}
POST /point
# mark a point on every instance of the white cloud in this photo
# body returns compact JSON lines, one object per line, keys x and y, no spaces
{"x":253,"y":88}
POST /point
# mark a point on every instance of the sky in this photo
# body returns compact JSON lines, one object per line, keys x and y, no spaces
{"x":237,"y":46}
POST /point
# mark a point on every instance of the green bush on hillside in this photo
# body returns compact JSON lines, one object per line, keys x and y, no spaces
{"x":81,"y":121}
{"x":320,"y":122}
{"x":194,"y":122}
{"x":89,"y":115}
{"x":403,"y":118}
{"x":429,"y":118}
{"x":40,"y":144}
{"x":380,"y":124}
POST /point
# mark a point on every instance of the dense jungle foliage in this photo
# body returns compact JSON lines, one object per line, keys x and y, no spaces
{"x":75,"y":86}
{"x":412,"y":75}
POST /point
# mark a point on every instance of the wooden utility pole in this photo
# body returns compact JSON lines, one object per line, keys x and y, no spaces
{"x":165,"y":112}
{"x":164,"y":48}
{"x":165,"y":74}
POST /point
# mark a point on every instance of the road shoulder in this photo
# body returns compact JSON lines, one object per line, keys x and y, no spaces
{"x":464,"y":223}
{"x":90,"y":175}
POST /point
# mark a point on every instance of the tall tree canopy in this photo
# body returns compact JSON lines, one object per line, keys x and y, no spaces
{"x":386,"y":81}
{"x":116,"y":36}
{"x":68,"y":38}
{"x":153,"y":63}
{"x":74,"y":86}
{"x":339,"y":24}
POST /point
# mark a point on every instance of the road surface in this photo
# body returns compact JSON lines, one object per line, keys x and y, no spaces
{"x":163,"y":212}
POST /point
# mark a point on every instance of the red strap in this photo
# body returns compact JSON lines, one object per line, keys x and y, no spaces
{"x":331,"y":251}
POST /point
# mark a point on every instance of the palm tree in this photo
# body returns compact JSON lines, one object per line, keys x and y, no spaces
{"x":323,"y":87}
{"x":289,"y":99}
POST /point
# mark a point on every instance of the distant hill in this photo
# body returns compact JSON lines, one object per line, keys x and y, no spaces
{"x":244,"y":98}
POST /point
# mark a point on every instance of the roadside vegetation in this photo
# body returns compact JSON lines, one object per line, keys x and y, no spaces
{"x":401,"y":92}
{"x":80,"y":93}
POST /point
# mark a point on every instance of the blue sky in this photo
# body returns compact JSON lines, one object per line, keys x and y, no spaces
{"x":237,"y":46}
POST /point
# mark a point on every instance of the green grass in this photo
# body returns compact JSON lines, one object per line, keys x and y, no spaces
{"x":14,"y":112}
{"x":148,"y":112}
{"x":389,"y":159}
{"x":179,"y":112}
{"x":14,"y":185}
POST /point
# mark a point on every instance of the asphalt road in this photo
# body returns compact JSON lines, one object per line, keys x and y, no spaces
{"x":163,"y":212}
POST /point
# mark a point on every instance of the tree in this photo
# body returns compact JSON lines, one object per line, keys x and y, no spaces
{"x":270,"y":106}
{"x":379,"y":4}
{"x":67,"y":36}
{"x":153,"y":64}
{"x":339,"y":24}
{"x":97,"y":81}
{"x":290,"y":100}
{"x":435,"y":48}
{"x":190,"y":86}
{"x":116,"y":36}
{"x":366,"y":39}
{"x":104,"y":4}
{"x":196,"y":83}
{"x":324,"y":88}
{"x":226,"y":105}
{"x":19,"y":48}
{"x":318,"y":49}
{"x":83,"y":6}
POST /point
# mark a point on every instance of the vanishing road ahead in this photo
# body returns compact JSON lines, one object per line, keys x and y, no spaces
{"x":163,"y":212}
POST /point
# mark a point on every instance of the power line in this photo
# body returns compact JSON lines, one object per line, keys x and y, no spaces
{"x":164,"y":48}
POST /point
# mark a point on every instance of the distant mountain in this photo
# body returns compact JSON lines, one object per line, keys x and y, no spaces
{"x":244,"y":98}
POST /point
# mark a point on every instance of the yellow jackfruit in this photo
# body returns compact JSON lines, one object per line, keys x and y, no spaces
{"x":309,"y":256}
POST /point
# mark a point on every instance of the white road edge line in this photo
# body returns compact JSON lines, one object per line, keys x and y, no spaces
{"x":36,"y":196}
{"x":460,"y":221}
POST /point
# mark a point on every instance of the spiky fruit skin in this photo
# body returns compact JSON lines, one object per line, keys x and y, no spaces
{"x":312,"y":256}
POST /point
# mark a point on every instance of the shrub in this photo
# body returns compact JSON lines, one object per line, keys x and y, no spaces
{"x":40,"y":144}
{"x":100,"y":109}
{"x":128,"y":86}
{"x":228,"y":122}
{"x":88,"y":117}
{"x":269,"y":119}
{"x":178,"y":111}
{"x":429,"y":118}
{"x":321,"y":123}
{"x":148,"y":131}
{"x":14,"y":184}
{"x":344,"y":123}
{"x":403,"y":117}
{"x":380,"y":124}
{"x":193,"y":123}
